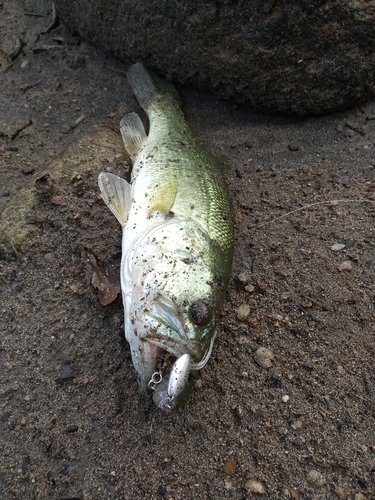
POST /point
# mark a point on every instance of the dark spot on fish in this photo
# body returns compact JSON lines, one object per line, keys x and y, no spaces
{"x":218,"y":278}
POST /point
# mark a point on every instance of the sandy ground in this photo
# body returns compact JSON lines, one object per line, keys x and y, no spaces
{"x":73,"y":424}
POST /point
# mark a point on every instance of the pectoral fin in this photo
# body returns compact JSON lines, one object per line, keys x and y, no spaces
{"x":133,"y":134}
{"x":117,"y":195}
{"x":163,"y":197}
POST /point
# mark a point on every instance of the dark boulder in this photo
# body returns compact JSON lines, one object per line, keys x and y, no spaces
{"x":303,"y":56}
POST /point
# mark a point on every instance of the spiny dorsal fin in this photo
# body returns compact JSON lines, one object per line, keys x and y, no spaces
{"x":133,"y":134}
{"x":116,"y":194}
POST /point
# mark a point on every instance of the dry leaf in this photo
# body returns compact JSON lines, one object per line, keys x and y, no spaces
{"x":77,"y":289}
{"x":56,"y":200}
{"x":104,"y":279}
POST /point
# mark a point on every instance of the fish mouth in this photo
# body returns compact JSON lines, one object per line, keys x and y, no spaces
{"x":158,"y":338}
{"x":164,"y":340}
{"x":170,"y":382}
{"x":173,"y":339}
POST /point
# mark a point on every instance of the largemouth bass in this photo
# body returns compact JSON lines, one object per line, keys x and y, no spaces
{"x":177,"y":242}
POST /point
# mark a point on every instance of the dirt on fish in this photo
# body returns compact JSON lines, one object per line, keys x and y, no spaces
{"x":296,"y":423}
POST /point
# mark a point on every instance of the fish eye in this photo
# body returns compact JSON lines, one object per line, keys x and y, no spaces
{"x":200,"y":313}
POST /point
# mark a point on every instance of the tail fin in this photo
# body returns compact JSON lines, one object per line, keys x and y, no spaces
{"x":147,"y":88}
{"x":141,"y":83}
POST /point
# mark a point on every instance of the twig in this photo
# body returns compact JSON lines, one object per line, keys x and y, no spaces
{"x":307,"y":311}
{"x":17,"y":50}
{"x":76,"y":123}
{"x":116,"y":70}
{"x":42,"y":48}
{"x":28,"y":86}
{"x":55,"y":21}
{"x":19,"y":130}
{"x":15,"y":251}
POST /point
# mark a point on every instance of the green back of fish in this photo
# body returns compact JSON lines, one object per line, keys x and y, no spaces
{"x":171,"y":166}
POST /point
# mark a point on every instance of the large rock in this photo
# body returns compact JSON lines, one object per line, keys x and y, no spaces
{"x":303,"y":56}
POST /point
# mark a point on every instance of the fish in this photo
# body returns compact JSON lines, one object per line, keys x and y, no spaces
{"x":177,"y":242}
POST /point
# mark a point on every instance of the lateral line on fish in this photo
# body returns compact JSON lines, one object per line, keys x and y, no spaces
{"x":304,"y":208}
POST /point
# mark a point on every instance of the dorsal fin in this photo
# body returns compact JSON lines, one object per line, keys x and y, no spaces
{"x":116,"y":194}
{"x":133,"y":134}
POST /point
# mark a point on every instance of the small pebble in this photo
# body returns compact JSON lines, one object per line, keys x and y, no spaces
{"x":275,"y":374}
{"x":340,"y":492}
{"x":243,"y":312}
{"x":243,"y":278}
{"x":359,"y":496}
{"x":5,"y":417}
{"x":28,"y":169}
{"x":72,"y":428}
{"x":346,"y":265}
{"x":340,"y":369}
{"x":262,"y":287}
{"x":25,"y":465}
{"x":228,"y":485}
{"x":240,"y":412}
{"x":362,"y":482}
{"x":293,"y":494}
{"x":285,"y":398}
{"x":230,"y":468}
{"x":345,"y":181}
{"x":316,"y":479}
{"x":253,"y":303}
{"x":198,"y":383}
{"x":285,"y":295}
{"x":162,"y":491}
{"x":255,"y":487}
{"x":337,"y":247}
{"x":296,"y":425}
{"x":253,"y":321}
{"x":249,"y":288}
{"x":293,"y":147}
{"x":66,"y":372}
{"x":263,"y":357}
